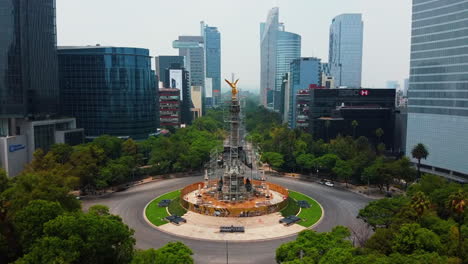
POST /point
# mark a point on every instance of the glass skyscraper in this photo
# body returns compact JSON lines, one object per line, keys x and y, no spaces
{"x":278,"y":48}
{"x":212,"y":41}
{"x":304,"y":72}
{"x":345,"y":51}
{"x":110,"y":90}
{"x":28,"y":59}
{"x":268,"y":43}
{"x":438,"y":87}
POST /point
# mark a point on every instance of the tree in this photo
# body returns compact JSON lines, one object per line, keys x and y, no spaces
{"x":381,"y":213}
{"x":311,"y":246}
{"x":420,"y":203}
{"x":458,"y":203}
{"x":381,"y":148}
{"x":343,"y":170}
{"x":30,"y":220}
{"x":306,"y":161}
{"x":172,"y":253}
{"x":4,"y":180}
{"x":419,"y":152}
{"x":411,"y":238}
{"x":327,"y":161}
{"x":112,"y":146}
{"x":83,"y":238}
{"x":273,"y":159}
{"x":354,"y":124}
{"x":62,"y":152}
{"x":379,"y":132}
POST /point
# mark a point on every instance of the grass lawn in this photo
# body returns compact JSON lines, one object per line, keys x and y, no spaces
{"x":291,"y":209}
{"x":175,"y":208}
{"x":310,"y":215}
{"x":156,"y":214}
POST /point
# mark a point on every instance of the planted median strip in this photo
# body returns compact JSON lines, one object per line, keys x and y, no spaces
{"x":156,"y":214}
{"x":309,"y":216}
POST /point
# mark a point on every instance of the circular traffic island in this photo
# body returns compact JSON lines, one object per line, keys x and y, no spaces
{"x":194,"y":212}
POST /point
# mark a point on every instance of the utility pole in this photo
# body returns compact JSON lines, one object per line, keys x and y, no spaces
{"x":227,"y":253}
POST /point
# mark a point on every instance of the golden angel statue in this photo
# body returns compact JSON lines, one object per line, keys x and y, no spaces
{"x":234,"y":88}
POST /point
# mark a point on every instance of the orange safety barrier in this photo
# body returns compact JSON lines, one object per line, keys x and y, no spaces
{"x":232,"y":210}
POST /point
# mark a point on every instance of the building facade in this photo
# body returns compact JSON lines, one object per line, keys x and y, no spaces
{"x":305,"y":72}
{"x":169,"y":107}
{"x":29,"y":85}
{"x":438,"y":86}
{"x":178,"y":77}
{"x":28,"y":59}
{"x":110,"y":90}
{"x":212,"y":45}
{"x":278,"y":48}
{"x":18,"y":150}
{"x":268,"y":58}
{"x":192,"y":48}
{"x":345,"y":51}
{"x":332,"y":111}
{"x":165,"y":62}
{"x":328,"y":81}
{"x":288,"y":50}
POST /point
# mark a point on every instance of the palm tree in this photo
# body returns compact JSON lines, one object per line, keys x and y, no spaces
{"x":457,"y":203}
{"x":419,"y":152}
{"x":379,"y":132}
{"x":354,"y":124}
{"x":420,"y":203}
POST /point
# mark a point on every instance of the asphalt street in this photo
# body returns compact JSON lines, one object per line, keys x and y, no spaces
{"x":341,"y":208}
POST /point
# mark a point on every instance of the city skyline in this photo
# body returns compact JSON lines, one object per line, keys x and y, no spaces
{"x":240,"y":38}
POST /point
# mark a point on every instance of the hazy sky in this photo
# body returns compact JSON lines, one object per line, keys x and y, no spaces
{"x":154,"y":24}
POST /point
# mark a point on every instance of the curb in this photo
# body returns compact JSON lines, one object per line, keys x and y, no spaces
{"x":223,"y":240}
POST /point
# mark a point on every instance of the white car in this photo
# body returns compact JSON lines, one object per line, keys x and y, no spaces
{"x":330,"y":184}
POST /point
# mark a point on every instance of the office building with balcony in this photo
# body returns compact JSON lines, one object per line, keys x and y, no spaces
{"x":110,"y":90}
{"x":438,"y":86}
{"x":169,"y":107}
{"x":345,"y":51}
{"x":179,"y":78}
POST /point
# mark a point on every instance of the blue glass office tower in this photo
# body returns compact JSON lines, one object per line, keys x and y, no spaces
{"x":345,"y":51}
{"x":110,"y":90}
{"x":304,"y":73}
{"x":438,"y":87}
{"x":268,"y":43}
{"x":278,"y":48}
{"x":212,"y":45}
{"x":28,"y":59}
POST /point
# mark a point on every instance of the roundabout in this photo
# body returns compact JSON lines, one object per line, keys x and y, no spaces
{"x":231,"y":187}
{"x":204,"y":223}
{"x":340,"y":207}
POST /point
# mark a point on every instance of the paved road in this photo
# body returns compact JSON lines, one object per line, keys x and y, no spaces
{"x":341,"y":208}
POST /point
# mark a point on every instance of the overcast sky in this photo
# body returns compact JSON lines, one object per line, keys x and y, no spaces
{"x":154,"y":24}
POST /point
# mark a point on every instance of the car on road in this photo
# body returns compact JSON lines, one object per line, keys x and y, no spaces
{"x":329,"y":184}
